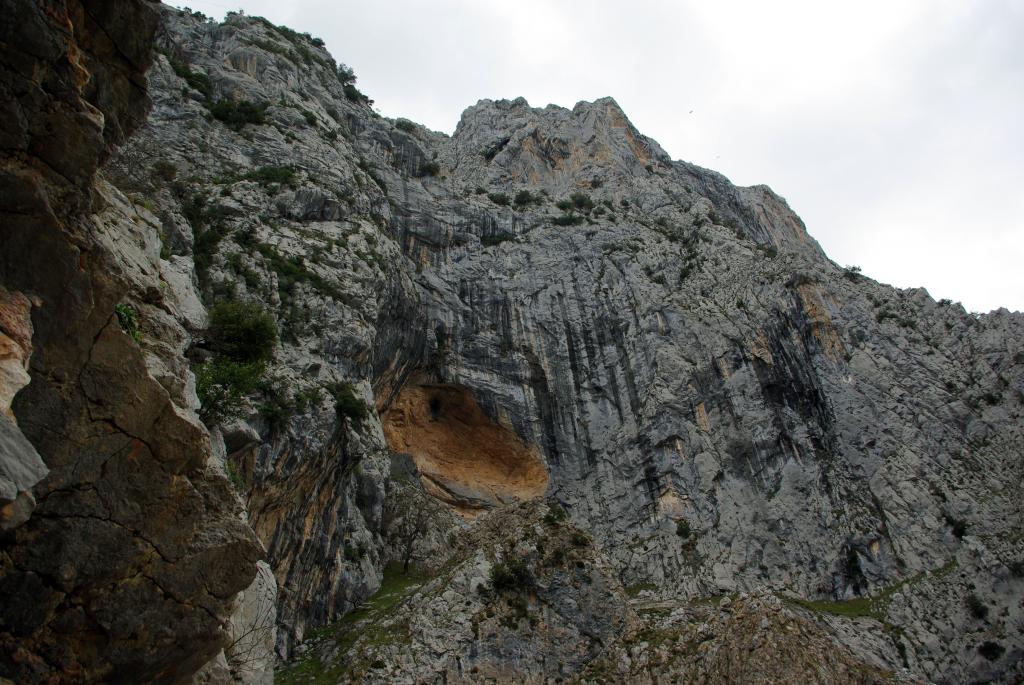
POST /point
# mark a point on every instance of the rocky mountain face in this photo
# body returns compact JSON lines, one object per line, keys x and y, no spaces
{"x":625,"y":420}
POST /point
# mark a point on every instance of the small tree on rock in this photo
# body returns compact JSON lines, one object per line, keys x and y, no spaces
{"x":409,"y":514}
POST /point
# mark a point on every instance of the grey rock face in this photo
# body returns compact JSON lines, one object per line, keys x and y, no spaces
{"x":21,"y":467}
{"x":720,"y":407}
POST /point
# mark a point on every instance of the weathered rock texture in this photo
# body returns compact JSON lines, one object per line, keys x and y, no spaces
{"x":464,"y":458}
{"x":566,"y":617}
{"x":129,"y":563}
{"x":543,"y":303}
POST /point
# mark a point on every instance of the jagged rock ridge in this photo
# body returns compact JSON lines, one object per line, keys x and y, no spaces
{"x":719,"y":408}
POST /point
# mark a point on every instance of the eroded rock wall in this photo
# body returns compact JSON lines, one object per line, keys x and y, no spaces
{"x":129,"y":563}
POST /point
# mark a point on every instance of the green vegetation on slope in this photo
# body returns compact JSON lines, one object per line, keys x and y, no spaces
{"x":365,"y":622}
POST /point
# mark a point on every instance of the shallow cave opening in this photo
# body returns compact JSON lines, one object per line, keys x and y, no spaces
{"x":465,"y":458}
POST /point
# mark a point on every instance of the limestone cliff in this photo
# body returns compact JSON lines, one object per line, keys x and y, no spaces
{"x":670,"y":438}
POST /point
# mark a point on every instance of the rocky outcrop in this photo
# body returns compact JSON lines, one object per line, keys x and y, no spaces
{"x":21,"y":467}
{"x":15,"y":346}
{"x":131,"y":558}
{"x":249,"y":655}
{"x":752,"y":639}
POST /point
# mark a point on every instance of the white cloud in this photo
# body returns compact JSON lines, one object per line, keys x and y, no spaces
{"x":893,"y":129}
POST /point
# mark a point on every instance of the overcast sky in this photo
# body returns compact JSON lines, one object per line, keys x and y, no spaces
{"x":895,"y":129}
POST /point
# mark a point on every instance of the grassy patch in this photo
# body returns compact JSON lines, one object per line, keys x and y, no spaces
{"x":634,"y":590}
{"x":365,"y":623}
{"x":394,"y":586}
{"x":495,"y":239}
{"x":266,"y":175}
{"x":860,"y":607}
{"x":869,"y":607}
{"x":236,"y":115}
{"x":292,"y":270}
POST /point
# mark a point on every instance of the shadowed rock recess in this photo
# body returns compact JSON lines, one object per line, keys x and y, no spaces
{"x":626,"y":420}
{"x":463,"y":457}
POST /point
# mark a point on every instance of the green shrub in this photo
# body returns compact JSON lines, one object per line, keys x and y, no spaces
{"x":354,"y":552}
{"x":291,"y":270}
{"x":405,"y":125}
{"x":271,"y":46}
{"x":556,"y":514}
{"x":345,"y":75}
{"x":683,"y":528}
{"x":524,"y":198}
{"x":582,"y":202}
{"x":309,"y":117}
{"x":222,"y":385}
{"x":976,"y":607}
{"x":429,"y":169}
{"x":498,"y":199}
{"x":347,"y":404}
{"x":304,"y":399}
{"x":354,"y":94}
{"x":195,"y":80}
{"x":265,"y":175}
{"x":991,"y":650}
{"x":277,"y":406}
{"x":237,"y":114}
{"x":570,"y":219}
{"x":958,"y":525}
{"x":242,"y":332}
{"x":495,"y":239}
{"x":852,"y":273}
{"x":128,"y":318}
{"x":242,"y":337}
{"x":511,"y":576}
{"x":163,"y":170}
{"x":235,"y":476}
{"x":209,"y":229}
